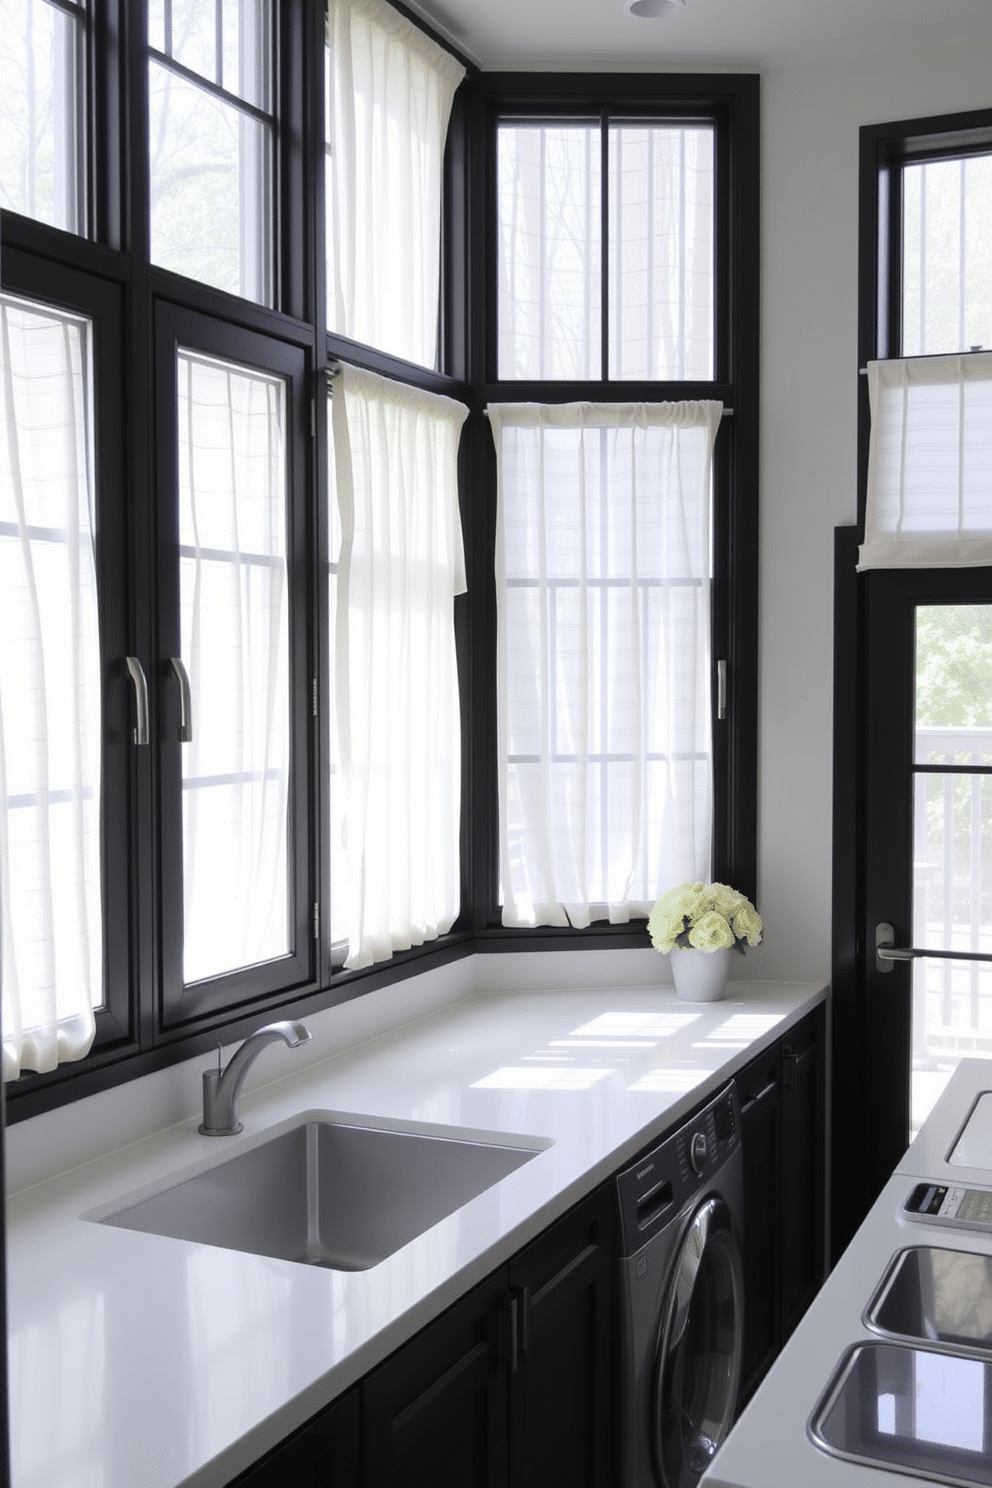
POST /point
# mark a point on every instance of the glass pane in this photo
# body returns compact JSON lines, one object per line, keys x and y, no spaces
{"x":661,"y":252}
{"x":234,"y":610}
{"x":50,"y":683}
{"x":548,"y":203}
{"x":42,"y":143}
{"x":947,"y":256}
{"x":953,"y":685}
{"x":225,"y":41}
{"x":952,"y":851}
{"x":210,"y":173}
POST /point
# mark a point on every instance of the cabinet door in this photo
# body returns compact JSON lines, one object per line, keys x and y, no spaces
{"x":435,"y":1413}
{"x":758,"y":1090}
{"x":325,"y":1453}
{"x":561,"y":1381}
{"x":802,"y":1193}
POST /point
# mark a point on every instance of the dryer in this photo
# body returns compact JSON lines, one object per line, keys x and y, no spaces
{"x":681,"y":1298}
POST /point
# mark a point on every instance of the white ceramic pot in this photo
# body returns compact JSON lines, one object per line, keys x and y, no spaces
{"x":700,"y":976}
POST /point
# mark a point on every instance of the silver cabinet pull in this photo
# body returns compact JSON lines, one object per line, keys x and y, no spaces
{"x":185,"y":702}
{"x":140,"y":732}
{"x":887,"y":953}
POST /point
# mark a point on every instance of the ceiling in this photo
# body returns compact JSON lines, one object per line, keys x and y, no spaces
{"x":600,"y":34}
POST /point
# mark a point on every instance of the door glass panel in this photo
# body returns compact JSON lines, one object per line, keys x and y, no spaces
{"x":235,"y":624}
{"x":952,"y":836}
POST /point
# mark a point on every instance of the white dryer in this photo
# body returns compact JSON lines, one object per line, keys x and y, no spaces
{"x":681,"y":1298}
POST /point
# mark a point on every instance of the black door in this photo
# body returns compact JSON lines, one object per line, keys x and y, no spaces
{"x":928,"y":840}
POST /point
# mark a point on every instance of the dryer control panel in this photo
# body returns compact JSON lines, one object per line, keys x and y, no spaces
{"x":653,"y":1190}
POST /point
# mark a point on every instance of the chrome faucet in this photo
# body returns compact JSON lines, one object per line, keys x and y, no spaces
{"x":221,"y":1088}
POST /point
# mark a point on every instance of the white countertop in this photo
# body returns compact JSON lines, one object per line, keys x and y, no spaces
{"x":769,"y":1447}
{"x":136,"y":1359}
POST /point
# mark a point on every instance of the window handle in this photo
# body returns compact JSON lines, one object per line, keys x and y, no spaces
{"x":185,"y":702}
{"x":140,"y":731}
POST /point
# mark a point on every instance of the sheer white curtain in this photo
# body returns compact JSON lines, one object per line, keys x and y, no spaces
{"x":50,"y":703}
{"x":235,"y":629}
{"x":603,"y":657}
{"x":389,"y":95}
{"x":929,"y":462}
{"x":398,"y":748}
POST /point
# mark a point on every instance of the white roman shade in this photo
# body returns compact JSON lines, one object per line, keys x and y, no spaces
{"x":929,"y":463}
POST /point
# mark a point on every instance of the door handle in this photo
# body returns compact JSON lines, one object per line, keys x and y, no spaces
{"x":140,"y":731}
{"x":887,"y":953}
{"x":185,"y":702}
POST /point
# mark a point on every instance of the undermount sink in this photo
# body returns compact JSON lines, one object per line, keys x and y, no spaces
{"x":327,"y":1191}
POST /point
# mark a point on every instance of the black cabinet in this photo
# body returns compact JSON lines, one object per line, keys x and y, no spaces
{"x":561,"y":1388}
{"x":325,"y":1453}
{"x":436,"y":1410}
{"x":783,"y":1129}
{"x":511,"y":1385}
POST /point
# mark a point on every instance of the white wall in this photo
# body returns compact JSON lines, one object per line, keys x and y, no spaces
{"x":810,"y":121}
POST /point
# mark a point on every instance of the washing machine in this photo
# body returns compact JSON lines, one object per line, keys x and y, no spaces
{"x":681,"y":1298}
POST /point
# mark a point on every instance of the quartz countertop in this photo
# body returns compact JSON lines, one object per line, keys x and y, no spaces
{"x":770,"y":1446}
{"x":140,"y":1359}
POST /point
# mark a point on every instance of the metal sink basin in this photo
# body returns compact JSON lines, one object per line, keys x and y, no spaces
{"x":936,"y":1295}
{"x":326,"y":1192}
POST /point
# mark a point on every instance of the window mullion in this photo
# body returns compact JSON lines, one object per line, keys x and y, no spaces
{"x":604,"y":215}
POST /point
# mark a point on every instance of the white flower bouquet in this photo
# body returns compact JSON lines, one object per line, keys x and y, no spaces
{"x":707,"y":917}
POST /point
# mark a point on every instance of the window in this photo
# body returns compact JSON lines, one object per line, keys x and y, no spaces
{"x":286,"y":789}
{"x":622,"y":237}
{"x":211,"y":128}
{"x":389,"y":90}
{"x":947,"y":254}
{"x":43,"y":106}
{"x":632,"y":302}
{"x":396,"y":563}
{"x":603,"y":563}
{"x":50,"y":664}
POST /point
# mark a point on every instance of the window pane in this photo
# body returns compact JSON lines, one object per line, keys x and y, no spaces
{"x":225,"y":41}
{"x":947,"y":256}
{"x":211,"y":196}
{"x":42,"y":139}
{"x":661,"y":252}
{"x":548,"y":204}
{"x":234,"y":607}
{"x":50,"y":691}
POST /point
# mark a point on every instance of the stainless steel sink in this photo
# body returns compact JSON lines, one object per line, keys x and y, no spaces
{"x":326,"y":1192}
{"x":936,"y":1295}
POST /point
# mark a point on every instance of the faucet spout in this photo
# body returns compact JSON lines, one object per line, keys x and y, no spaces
{"x":222,"y":1088}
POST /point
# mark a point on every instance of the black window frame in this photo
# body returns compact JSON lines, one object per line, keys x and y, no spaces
{"x":732,"y":103}
{"x":144,"y":1029}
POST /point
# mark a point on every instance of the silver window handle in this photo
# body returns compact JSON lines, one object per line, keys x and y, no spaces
{"x":140,"y":731}
{"x":887,"y":952}
{"x":185,"y":702}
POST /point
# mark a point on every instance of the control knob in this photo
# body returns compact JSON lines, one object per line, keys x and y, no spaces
{"x":697,"y":1152}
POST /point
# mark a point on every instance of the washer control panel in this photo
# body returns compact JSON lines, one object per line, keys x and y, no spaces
{"x":952,"y":1203}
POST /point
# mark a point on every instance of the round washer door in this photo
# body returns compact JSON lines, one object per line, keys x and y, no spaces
{"x":698,"y":1364}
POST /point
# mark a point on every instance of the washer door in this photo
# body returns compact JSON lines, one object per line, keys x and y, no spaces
{"x":698,"y":1365}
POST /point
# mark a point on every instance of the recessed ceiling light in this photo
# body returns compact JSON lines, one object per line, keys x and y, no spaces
{"x":653,"y":9}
